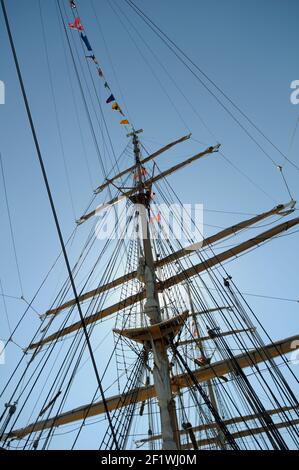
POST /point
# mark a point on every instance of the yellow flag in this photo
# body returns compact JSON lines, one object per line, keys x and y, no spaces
{"x":115,"y":106}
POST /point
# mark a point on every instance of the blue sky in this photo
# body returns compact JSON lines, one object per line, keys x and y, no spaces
{"x":248,"y":48}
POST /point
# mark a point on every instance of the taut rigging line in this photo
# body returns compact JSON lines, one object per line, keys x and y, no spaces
{"x":177,"y":50}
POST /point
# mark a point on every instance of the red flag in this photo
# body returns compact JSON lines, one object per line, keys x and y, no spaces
{"x":156,"y":218}
{"x":77,"y":25}
{"x":201,"y":361}
{"x":143,"y":172}
{"x":194,"y":330}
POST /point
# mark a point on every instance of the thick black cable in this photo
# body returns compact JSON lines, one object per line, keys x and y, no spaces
{"x":44,"y":174}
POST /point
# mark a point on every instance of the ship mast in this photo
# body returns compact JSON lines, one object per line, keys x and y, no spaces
{"x":146,"y":271}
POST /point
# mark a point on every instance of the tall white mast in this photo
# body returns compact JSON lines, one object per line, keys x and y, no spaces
{"x":146,"y":273}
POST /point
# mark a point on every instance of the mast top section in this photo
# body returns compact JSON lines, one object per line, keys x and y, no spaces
{"x":134,"y":133}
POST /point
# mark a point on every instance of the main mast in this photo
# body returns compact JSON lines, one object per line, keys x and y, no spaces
{"x":147,"y":274}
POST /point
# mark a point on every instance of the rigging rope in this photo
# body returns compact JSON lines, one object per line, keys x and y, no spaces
{"x":59,"y":130}
{"x":11,"y":226}
{"x":206,"y":399}
{"x":171,"y":44}
{"x":5,"y":311}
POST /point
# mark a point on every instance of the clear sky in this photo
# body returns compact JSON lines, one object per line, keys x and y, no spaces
{"x":248,"y":48}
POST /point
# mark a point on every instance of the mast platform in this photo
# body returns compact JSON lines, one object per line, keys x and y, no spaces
{"x":163,"y":330}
